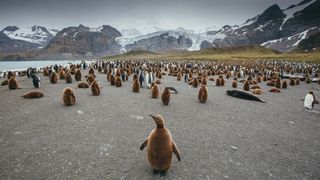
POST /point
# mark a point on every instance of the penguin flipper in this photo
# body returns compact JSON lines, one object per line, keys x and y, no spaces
{"x":176,"y":151}
{"x":144,"y":144}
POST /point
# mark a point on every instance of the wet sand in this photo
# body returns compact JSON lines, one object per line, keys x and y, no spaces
{"x":100,"y":136}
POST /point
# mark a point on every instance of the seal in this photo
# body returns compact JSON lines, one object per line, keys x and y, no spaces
{"x":244,"y":95}
{"x":32,"y":95}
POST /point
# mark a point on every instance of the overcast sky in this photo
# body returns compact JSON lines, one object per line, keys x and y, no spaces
{"x":167,"y":14}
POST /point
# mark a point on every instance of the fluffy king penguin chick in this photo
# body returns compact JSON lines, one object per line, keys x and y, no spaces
{"x":160,"y":147}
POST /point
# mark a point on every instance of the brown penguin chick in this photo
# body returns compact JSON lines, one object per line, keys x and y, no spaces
{"x":62,"y":74}
{"x":68,"y":97}
{"x":253,"y":82}
{"x":5,"y":82}
{"x":10,"y":74}
{"x":222,"y":81}
{"x":259,"y":79}
{"x":155,"y":91}
{"x":228,"y":75}
{"x":91,"y":71}
{"x":118,"y":82}
{"x":53,"y":78}
{"x":32,"y":95}
{"x":275,"y":90}
{"x":218,"y":82}
{"x":257,"y":91}
{"x":284,"y":84}
{"x":135,"y":86}
{"x":249,"y":78}
{"x":297,"y":81}
{"x":264,"y":78}
{"x":308,"y":80}
{"x":211,"y":79}
{"x":255,"y":87}
{"x":160,"y":147}
{"x":179,"y":76}
{"x":278,"y":83}
{"x":13,"y":83}
{"x":292,"y":82}
{"x":234,"y":84}
{"x":203,"y":94}
{"x":90,"y":79}
{"x":68,"y":77}
{"x":95,"y":89}
{"x":246,"y":86}
{"x":77,"y":75}
{"x":45,"y":72}
{"x":158,"y":81}
{"x":112,"y":80}
{"x":135,"y":76}
{"x":83,"y":85}
{"x":99,"y":69}
{"x":165,"y":96}
{"x":195,"y":83}
{"x":270,"y":83}
{"x":204,"y":81}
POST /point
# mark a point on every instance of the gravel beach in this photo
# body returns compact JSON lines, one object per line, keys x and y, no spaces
{"x":99,"y":137}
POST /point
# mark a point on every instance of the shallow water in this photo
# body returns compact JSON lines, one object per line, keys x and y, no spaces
{"x":21,"y":65}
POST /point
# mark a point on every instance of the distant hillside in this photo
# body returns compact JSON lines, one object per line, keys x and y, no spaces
{"x":310,"y":43}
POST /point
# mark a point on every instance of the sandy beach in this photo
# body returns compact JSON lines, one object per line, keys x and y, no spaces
{"x":99,"y":137}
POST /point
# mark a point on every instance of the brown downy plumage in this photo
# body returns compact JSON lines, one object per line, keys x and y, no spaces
{"x":13,"y":83}
{"x":292,"y":82}
{"x":278,"y":83}
{"x":68,"y":97}
{"x":68,"y":77}
{"x":275,"y":90}
{"x":284,"y":84}
{"x":259,"y":79}
{"x":95,"y":89}
{"x":195,"y":83}
{"x":136,"y":86}
{"x":308,"y":80}
{"x":218,"y":82}
{"x":234,"y":84}
{"x":53,"y":78}
{"x":32,"y":95}
{"x":297,"y":81}
{"x":83,"y":85}
{"x":78,"y":75}
{"x":62,"y":74}
{"x":112,"y":80}
{"x":255,"y":87}
{"x":203,"y":94}
{"x":5,"y":82}
{"x":166,"y":96}
{"x":246,"y":86}
{"x":257,"y":91}
{"x":160,"y":147}
{"x":90,"y":79}
{"x":118,"y":82}
{"x":155,"y":91}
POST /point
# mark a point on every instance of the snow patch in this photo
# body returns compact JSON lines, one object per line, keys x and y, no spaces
{"x":290,"y":12}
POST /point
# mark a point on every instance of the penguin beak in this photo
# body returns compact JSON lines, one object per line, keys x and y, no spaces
{"x":152,"y":116}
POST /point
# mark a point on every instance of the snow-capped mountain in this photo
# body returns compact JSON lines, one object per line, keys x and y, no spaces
{"x":36,"y":34}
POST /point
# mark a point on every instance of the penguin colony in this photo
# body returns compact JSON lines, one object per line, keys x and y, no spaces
{"x":159,"y":144}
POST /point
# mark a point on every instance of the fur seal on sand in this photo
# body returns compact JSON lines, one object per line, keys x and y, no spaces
{"x":165,"y":96}
{"x":95,"y":89}
{"x":53,"y":78}
{"x":203,"y":94}
{"x":243,"y":95}
{"x":13,"y":83}
{"x":83,"y":85}
{"x":32,"y":95}
{"x":160,"y":147}
{"x":68,"y":97}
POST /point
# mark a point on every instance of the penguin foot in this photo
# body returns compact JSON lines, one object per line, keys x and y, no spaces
{"x":162,"y":173}
{"x":155,"y":172}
